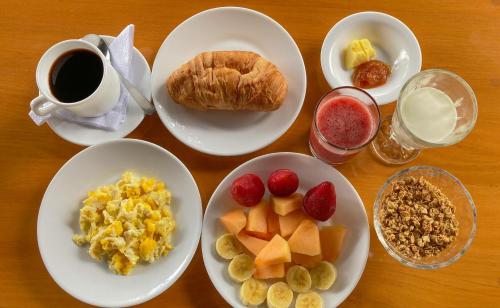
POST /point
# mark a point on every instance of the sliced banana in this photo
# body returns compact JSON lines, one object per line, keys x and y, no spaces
{"x":253,"y":292}
{"x":323,"y":275}
{"x":309,"y":300}
{"x":298,"y":279}
{"x":227,"y":246}
{"x":279,"y":295}
{"x":241,"y":268}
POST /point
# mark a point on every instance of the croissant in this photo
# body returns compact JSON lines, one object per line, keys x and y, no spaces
{"x":228,"y":80}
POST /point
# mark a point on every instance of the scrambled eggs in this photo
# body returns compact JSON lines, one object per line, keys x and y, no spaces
{"x":127,"y":222}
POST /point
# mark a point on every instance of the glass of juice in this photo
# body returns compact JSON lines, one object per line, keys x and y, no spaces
{"x":435,"y":108}
{"x":346,"y":119}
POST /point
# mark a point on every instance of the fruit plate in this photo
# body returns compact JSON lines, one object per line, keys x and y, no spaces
{"x":350,"y":212}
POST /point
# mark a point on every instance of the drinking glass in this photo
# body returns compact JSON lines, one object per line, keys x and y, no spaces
{"x":332,"y":153}
{"x":395,"y":144}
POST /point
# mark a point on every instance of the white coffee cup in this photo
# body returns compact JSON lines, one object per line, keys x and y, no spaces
{"x":102,"y":100}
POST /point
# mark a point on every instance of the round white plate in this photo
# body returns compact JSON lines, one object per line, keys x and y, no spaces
{"x":84,"y":135}
{"x":228,"y":133}
{"x":350,"y":213}
{"x":394,"y":44}
{"x":71,"y":266}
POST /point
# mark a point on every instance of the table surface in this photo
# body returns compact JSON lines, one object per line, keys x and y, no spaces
{"x":461,"y":36}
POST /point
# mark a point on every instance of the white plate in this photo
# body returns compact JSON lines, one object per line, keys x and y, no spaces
{"x":394,"y":44}
{"x":350,"y":213}
{"x":84,"y":135}
{"x":71,"y":266}
{"x":228,"y":133}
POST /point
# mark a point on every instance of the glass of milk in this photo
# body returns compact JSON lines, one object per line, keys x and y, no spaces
{"x":435,"y":108}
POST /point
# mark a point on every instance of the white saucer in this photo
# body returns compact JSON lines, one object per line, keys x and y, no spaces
{"x":228,"y":133}
{"x":84,"y":135}
{"x":394,"y":43}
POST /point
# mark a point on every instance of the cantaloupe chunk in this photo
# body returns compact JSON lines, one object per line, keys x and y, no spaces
{"x":305,"y":260}
{"x":257,"y":218}
{"x":234,"y":221}
{"x":264,"y":236}
{"x":289,"y":223}
{"x":269,"y":271}
{"x":273,"y":224}
{"x":331,"y":239}
{"x":305,"y":239}
{"x":253,"y":244}
{"x":276,"y":251}
{"x":285,"y":205}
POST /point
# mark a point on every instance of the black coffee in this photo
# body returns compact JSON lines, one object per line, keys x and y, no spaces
{"x":75,"y":75}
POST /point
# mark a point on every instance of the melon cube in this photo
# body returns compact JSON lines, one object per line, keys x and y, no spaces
{"x":253,"y":244}
{"x":284,"y":205}
{"x":273,"y":224}
{"x":305,"y":260}
{"x":331,"y":239}
{"x":276,"y":251}
{"x":269,"y":271}
{"x":305,"y":239}
{"x":234,"y":221}
{"x":264,"y":236}
{"x":289,"y":223}
{"x":257,"y":218}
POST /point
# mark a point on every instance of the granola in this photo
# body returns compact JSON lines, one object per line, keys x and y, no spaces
{"x":417,"y":219}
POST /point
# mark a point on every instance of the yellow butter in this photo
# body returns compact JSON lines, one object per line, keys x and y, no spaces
{"x":358,"y":52}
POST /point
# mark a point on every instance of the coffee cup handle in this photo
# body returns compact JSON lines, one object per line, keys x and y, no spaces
{"x":41,"y":106}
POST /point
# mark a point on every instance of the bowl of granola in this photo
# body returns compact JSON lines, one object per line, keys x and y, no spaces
{"x":424,"y":217}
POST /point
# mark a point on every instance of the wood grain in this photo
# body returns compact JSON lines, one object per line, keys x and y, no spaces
{"x":461,"y":36}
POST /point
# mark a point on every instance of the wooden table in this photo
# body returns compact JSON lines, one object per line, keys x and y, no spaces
{"x":461,"y":36}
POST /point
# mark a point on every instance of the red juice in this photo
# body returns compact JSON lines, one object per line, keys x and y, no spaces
{"x":343,"y":125}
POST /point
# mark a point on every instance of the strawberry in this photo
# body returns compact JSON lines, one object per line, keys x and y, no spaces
{"x":283,"y":182}
{"x":248,"y":189}
{"x":320,"y":201}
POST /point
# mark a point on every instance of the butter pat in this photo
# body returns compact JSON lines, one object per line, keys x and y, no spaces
{"x":358,"y":52}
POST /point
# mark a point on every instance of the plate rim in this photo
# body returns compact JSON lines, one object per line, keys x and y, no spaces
{"x":162,"y":113}
{"x":205,"y":248}
{"x":166,"y":283}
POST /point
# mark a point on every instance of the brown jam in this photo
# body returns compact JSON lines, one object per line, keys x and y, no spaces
{"x":371,"y":74}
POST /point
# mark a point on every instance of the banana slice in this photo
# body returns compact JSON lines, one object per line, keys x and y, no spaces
{"x":253,"y":292}
{"x":241,"y":268}
{"x":227,"y":246}
{"x":298,"y":279}
{"x":279,"y":295}
{"x":309,"y":300}
{"x":323,"y":275}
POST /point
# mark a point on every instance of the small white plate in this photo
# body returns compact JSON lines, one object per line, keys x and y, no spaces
{"x":311,"y":171}
{"x":394,"y":44}
{"x":228,"y":133}
{"x":71,"y":266}
{"x":84,"y":135}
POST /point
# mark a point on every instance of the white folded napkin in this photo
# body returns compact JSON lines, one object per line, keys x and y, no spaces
{"x":122,"y":51}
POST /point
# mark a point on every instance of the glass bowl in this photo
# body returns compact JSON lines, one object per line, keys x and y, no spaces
{"x":465,"y":214}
